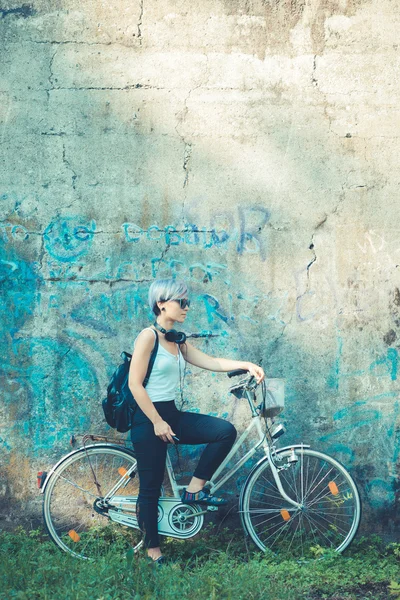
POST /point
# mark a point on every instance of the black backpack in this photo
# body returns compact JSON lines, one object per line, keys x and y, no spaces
{"x":120,"y":406}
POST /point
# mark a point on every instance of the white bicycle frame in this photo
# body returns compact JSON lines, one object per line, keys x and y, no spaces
{"x":216,"y":481}
{"x":122,"y":509}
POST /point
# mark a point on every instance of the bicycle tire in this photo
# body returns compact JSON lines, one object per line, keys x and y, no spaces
{"x":71,"y":502}
{"x":331,"y":513}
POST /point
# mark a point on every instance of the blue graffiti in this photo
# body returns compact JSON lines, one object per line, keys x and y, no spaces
{"x":196,"y":271}
{"x":50,"y":391}
{"x":19,"y":281}
{"x":364,"y":434}
{"x":386,"y":365}
{"x":247,"y":236}
{"x":68,"y":238}
{"x":106,"y":312}
{"x":213,"y":309}
{"x":191,"y":234}
{"x":11,"y":232}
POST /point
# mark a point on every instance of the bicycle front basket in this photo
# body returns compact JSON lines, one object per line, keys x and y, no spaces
{"x":274,"y":397}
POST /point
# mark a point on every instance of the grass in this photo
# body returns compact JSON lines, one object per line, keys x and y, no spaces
{"x":206,"y":568}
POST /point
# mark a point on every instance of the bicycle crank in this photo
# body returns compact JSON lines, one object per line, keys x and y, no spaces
{"x":175,"y":519}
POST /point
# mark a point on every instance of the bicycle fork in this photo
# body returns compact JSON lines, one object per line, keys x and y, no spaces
{"x":275,"y":471}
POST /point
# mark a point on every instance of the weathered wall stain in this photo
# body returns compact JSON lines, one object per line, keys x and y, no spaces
{"x":23,"y":11}
{"x":322,"y":11}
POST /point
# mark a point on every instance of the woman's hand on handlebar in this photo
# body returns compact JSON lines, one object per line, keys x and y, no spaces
{"x":256,"y":371}
{"x":164,"y":431}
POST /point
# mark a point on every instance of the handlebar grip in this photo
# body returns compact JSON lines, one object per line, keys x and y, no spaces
{"x":237,"y":372}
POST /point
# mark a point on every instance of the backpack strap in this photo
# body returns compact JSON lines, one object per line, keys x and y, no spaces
{"x":152,"y":358}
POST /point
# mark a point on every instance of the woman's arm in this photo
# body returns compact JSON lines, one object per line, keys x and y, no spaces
{"x":137,"y":372}
{"x":196,"y":357}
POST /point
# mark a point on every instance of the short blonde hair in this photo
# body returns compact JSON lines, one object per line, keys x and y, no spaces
{"x":162,"y":290}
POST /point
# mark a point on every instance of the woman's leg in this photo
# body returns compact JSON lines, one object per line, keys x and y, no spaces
{"x":220,"y":436}
{"x":150,"y":454}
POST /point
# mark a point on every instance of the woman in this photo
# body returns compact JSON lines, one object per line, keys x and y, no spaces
{"x":158,"y":421}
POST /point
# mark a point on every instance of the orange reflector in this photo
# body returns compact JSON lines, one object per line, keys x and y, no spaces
{"x":333,"y":488}
{"x":122,"y":471}
{"x":74,"y":536}
{"x":285,"y":515}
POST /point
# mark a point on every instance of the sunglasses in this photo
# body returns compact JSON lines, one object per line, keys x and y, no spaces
{"x":183,"y":302}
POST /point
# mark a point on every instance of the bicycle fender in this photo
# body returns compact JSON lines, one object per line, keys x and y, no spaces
{"x":292,"y":446}
{"x":81,"y":449}
{"x":262,"y":460}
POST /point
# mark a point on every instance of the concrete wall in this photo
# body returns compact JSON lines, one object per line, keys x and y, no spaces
{"x":250,"y":148}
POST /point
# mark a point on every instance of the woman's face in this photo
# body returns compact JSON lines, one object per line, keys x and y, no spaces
{"x":174,"y":310}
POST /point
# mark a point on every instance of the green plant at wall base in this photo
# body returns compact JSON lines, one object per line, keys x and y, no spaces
{"x":218,"y":565}
{"x":395,"y":549}
{"x":394,"y":589}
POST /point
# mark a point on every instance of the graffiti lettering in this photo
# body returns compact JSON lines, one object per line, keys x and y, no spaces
{"x":68,"y":238}
{"x":15,"y":232}
{"x":246,"y":236}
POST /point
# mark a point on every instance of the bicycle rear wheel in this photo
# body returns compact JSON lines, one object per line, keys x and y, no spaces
{"x":331,"y":509}
{"x":75,"y":513}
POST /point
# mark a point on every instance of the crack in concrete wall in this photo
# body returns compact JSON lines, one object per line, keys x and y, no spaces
{"x":186,"y":161}
{"x":140,"y":22}
{"x":74,"y":176}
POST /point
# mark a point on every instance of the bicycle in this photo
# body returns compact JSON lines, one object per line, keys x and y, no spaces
{"x":295,"y":500}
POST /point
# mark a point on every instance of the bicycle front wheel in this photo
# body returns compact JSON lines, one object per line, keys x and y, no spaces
{"x":79,"y":495}
{"x":330,"y":512}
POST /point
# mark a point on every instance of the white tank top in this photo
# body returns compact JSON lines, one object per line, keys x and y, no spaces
{"x":164,"y":377}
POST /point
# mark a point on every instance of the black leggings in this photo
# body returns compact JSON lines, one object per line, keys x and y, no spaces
{"x":151,"y":451}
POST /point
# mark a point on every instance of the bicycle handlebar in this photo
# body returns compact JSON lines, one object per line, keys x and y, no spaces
{"x":237,"y":372}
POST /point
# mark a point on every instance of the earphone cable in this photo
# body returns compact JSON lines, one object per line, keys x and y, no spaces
{"x":183,"y":402}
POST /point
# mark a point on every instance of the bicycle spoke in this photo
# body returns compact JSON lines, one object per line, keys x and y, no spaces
{"x":319,"y":529}
{"x":72,"y":508}
{"x":283,"y":526}
{"x":268,"y":495}
{"x":312,"y":478}
{"x":327,"y":498}
{"x":333,"y":479}
{"x":317,"y":484}
{"x":311,"y":529}
{"x":285,"y":481}
{"x":262,"y":510}
{"x":294,"y":533}
{"x":323,"y":485}
{"x":327,"y":520}
{"x":270,"y":485}
{"x":78,"y":487}
{"x":267,"y":520}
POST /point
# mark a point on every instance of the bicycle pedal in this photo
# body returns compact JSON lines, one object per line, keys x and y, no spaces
{"x":212,"y":508}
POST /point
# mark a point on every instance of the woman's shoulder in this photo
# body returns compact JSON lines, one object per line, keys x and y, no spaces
{"x":146,"y":338}
{"x":147,"y":334}
{"x":145,"y":341}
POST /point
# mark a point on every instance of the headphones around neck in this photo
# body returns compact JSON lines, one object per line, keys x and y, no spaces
{"x":179,"y":337}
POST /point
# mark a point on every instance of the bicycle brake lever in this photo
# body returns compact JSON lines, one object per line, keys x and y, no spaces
{"x":237,"y":392}
{"x":238,"y":388}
